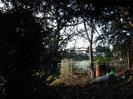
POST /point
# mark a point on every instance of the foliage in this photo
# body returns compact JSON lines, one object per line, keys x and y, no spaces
{"x":100,"y":60}
{"x":32,"y":44}
{"x":103,"y":55}
{"x":104,"y":50}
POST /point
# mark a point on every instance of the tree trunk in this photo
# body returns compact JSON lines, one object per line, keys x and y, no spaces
{"x":91,"y":53}
{"x":89,"y":36}
{"x":129,"y":60}
{"x":91,"y":42}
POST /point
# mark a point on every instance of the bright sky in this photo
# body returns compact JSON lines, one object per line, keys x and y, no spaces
{"x":1,"y":4}
{"x":78,"y":43}
{"x":81,"y":42}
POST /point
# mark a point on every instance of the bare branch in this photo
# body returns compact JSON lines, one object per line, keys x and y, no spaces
{"x":86,"y":31}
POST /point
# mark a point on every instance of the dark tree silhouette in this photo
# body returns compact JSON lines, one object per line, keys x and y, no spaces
{"x":20,"y":51}
{"x":30,"y":45}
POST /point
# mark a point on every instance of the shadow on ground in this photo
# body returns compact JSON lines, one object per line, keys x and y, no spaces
{"x":118,"y":89}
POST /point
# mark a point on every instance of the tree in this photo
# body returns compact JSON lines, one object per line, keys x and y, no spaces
{"x":31,"y":45}
{"x":20,"y":52}
{"x":89,"y":30}
{"x":119,"y":33}
{"x":104,"y":49}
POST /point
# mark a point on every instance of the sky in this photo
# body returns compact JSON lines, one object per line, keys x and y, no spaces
{"x":1,"y":5}
{"x":81,"y":42}
{"x":78,"y":43}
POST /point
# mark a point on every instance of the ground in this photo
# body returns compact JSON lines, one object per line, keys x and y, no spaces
{"x":120,"y":88}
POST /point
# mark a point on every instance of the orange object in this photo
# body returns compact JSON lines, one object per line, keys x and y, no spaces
{"x":100,"y":70}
